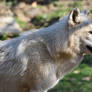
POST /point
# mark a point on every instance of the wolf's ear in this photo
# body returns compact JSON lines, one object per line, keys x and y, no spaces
{"x":74,"y":17}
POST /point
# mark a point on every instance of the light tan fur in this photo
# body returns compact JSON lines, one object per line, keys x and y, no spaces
{"x":37,"y":60}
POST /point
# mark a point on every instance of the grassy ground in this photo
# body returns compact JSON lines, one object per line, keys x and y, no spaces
{"x":61,"y":8}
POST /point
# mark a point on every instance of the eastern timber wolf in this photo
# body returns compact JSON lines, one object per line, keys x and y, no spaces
{"x":36,"y":61}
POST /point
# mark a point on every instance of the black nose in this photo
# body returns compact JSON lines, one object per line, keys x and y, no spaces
{"x":89,"y":48}
{"x":90,"y":32}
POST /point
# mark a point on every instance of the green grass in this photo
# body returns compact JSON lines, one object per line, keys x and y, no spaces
{"x":44,"y":19}
{"x":90,"y":10}
{"x":4,"y":37}
{"x":24,"y":25}
{"x":76,"y":4}
{"x":20,"y":22}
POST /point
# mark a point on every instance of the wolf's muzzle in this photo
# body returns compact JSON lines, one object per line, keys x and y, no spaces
{"x":89,"y":48}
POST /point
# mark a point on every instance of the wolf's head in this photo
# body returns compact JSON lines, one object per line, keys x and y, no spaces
{"x":80,"y":31}
{"x":71,"y":36}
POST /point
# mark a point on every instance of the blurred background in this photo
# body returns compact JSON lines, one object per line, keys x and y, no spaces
{"x":17,"y":16}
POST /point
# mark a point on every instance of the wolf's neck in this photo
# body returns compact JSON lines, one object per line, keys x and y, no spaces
{"x":56,"y":36}
{"x":66,"y":66}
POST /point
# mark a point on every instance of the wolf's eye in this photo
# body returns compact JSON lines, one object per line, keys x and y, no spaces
{"x":90,"y":32}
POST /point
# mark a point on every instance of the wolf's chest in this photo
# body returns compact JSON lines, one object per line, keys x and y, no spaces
{"x":67,"y":66}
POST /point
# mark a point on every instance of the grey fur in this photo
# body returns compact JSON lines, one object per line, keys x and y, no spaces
{"x":37,"y":60}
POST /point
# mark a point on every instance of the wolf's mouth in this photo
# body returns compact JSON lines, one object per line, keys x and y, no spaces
{"x":89,"y":48}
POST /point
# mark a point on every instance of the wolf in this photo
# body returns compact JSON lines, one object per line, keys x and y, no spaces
{"x":36,"y":60}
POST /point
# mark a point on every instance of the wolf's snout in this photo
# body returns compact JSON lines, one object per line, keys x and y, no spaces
{"x":89,"y":48}
{"x":90,"y":32}
{"x":88,"y":42}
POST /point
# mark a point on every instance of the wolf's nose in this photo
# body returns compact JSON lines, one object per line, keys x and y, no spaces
{"x":90,"y":32}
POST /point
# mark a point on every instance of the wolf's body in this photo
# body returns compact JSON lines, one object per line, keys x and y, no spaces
{"x":36,"y":61}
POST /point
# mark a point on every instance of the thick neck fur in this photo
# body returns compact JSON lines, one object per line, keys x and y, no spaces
{"x":63,"y":46}
{"x":61,"y":43}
